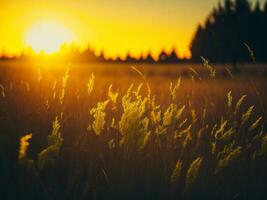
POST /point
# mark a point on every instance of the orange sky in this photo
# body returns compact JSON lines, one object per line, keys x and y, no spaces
{"x":119,"y":27}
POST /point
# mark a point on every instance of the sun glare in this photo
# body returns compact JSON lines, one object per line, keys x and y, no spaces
{"x":48,"y":37}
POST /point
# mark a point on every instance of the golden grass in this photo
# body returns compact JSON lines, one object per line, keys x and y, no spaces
{"x":109,"y":131}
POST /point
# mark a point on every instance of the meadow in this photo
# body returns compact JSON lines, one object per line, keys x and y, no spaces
{"x":112,"y":131}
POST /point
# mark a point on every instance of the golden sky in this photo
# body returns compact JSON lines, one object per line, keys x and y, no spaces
{"x":116,"y":26}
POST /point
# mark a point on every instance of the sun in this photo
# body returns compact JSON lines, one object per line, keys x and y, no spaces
{"x":48,"y":37}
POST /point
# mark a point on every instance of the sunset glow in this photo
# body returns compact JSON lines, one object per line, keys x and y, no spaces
{"x":114,"y":27}
{"x":48,"y":37}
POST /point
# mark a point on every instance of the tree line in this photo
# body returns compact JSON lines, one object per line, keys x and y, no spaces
{"x":235,"y":31}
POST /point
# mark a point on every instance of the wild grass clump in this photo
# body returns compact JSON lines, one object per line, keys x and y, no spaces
{"x":48,"y":155}
{"x":24,"y":143}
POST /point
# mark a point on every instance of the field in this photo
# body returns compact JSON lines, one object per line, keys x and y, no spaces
{"x":112,"y":131}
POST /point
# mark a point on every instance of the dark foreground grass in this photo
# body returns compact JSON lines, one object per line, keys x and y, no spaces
{"x":68,"y":134}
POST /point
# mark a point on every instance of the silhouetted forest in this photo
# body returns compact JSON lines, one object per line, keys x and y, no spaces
{"x":231,"y":32}
{"x":72,"y":53}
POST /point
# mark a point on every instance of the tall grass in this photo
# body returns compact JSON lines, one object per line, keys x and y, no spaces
{"x":131,"y":142}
